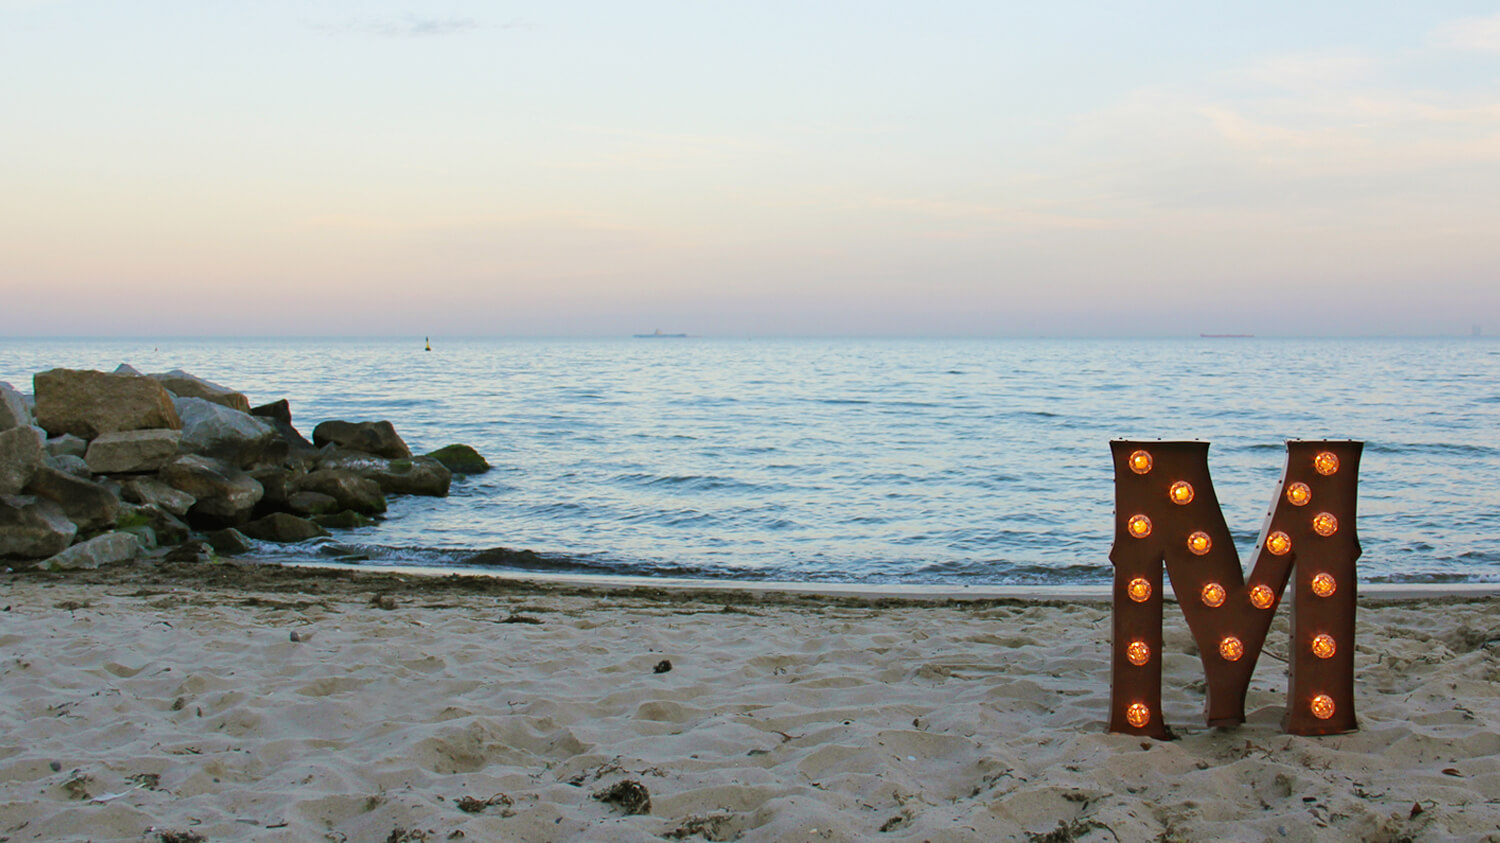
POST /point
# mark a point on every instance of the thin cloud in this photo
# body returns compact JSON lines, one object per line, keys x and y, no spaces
{"x":408,"y":26}
{"x":1470,"y":34}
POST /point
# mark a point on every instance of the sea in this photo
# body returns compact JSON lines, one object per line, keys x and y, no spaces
{"x":879,"y":461}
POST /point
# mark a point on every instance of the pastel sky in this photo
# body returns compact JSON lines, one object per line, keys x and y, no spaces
{"x":847,"y":168}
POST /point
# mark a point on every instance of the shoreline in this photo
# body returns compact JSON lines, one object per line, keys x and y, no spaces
{"x":913,"y":591}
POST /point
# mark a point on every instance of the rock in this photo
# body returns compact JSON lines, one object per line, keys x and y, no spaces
{"x":13,"y":410}
{"x":196,"y":553}
{"x":163,"y":526}
{"x":87,"y":403}
{"x":88,"y":504}
{"x":67,"y":445}
{"x":346,"y":520}
{"x":460,"y":459}
{"x":69,"y":465}
{"x":20,"y":458}
{"x":153,"y":492}
{"x":132,"y":451}
{"x":312,"y":503}
{"x":349,"y":489}
{"x":229,"y":542}
{"x":213,"y":430}
{"x":33,"y":528}
{"x":414,"y":476}
{"x":378,"y":438}
{"x":283,"y":528}
{"x":225,"y":496}
{"x":275,"y":411}
{"x":277,"y":483}
{"x":127,"y":369}
{"x":184,"y":385}
{"x":108,"y":549}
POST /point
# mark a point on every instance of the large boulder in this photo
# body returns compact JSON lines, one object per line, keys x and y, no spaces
{"x":147,"y":519}
{"x":184,"y":385}
{"x":213,"y":430}
{"x":229,"y":541}
{"x":67,"y":445}
{"x":283,"y":528}
{"x":87,"y":403}
{"x":108,"y":549}
{"x":279,"y":410}
{"x":20,"y":458}
{"x":277,"y":483}
{"x":13,"y":409}
{"x":460,"y":459}
{"x":224,"y":495}
{"x":307,"y":504}
{"x":33,"y":528}
{"x":149,"y":491}
{"x":88,"y":504}
{"x":349,"y":489}
{"x":132,"y":451}
{"x":69,"y":465}
{"x":378,"y":438}
{"x":414,"y":476}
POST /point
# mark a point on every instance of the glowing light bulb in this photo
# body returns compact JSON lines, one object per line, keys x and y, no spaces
{"x":1181,"y":492}
{"x":1324,"y":585}
{"x":1138,"y":652}
{"x":1138,"y":715}
{"x":1321,"y":706}
{"x":1298,"y":494}
{"x":1279,"y":543}
{"x":1323,"y":646}
{"x":1213,"y":595}
{"x":1139,"y":526}
{"x":1326,"y":463}
{"x":1325,"y":524}
{"x":1199,"y":543}
{"x":1261,"y":597}
{"x":1231,"y":648}
{"x":1138,"y":589}
{"x":1140,"y":462}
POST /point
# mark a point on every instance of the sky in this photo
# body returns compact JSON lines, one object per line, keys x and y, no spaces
{"x":749,"y":169}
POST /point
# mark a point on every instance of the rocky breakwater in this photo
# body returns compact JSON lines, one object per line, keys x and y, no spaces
{"x":106,"y":467}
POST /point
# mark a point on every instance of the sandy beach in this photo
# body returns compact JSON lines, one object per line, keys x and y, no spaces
{"x":176,"y":703}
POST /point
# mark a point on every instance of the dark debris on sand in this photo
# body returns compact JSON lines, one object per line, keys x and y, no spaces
{"x":629,"y":796}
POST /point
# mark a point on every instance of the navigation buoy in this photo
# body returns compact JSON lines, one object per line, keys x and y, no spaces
{"x":428,"y":340}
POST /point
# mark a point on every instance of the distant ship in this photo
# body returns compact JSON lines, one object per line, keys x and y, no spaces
{"x":1226,"y":336}
{"x":658,"y":335}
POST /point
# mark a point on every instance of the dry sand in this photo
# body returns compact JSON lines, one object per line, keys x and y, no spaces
{"x":171,"y":704}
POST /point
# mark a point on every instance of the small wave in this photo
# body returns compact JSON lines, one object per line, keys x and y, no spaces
{"x":1438,"y":448}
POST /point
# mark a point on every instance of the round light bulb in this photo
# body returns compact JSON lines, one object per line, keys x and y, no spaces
{"x":1325,"y":524}
{"x":1140,"y":462}
{"x":1213,"y":595}
{"x":1138,"y":715}
{"x":1138,"y":652}
{"x":1321,"y":706}
{"x":1181,"y":492}
{"x":1231,"y":648}
{"x":1326,"y":463}
{"x":1262,"y":597}
{"x":1138,"y":589}
{"x":1299,"y":494}
{"x":1324,"y":585}
{"x":1139,"y":526}
{"x":1323,"y":646}
{"x":1199,"y":543}
{"x":1279,"y":543}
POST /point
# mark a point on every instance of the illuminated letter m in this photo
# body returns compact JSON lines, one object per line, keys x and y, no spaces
{"x":1166,"y":513}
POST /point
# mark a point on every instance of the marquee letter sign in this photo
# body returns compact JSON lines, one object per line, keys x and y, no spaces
{"x":1166,"y":511}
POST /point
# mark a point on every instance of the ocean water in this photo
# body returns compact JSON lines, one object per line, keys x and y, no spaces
{"x":879,"y":461}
